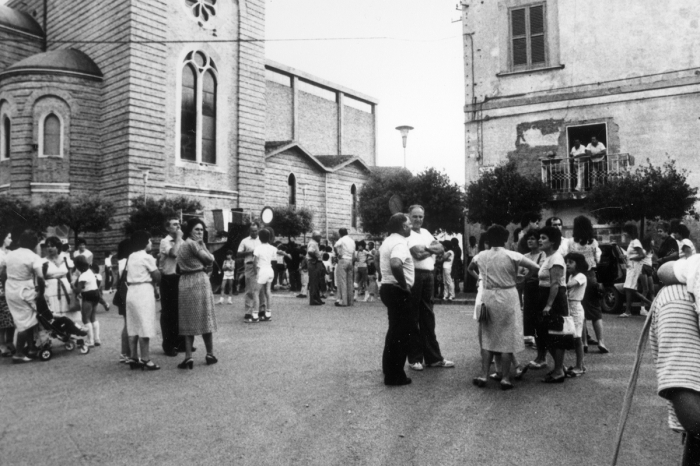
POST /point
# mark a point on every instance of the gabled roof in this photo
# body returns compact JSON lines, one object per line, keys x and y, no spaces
{"x":327,"y":163}
{"x":19,"y":21}
{"x":67,"y":62}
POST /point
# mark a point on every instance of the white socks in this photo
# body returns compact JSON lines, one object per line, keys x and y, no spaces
{"x":90,"y":336}
{"x":96,"y":332}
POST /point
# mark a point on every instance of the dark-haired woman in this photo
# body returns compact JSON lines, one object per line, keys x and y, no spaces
{"x":553,"y":304}
{"x":196,"y":300}
{"x":635,"y":256}
{"x":7,"y":325}
{"x":503,"y":333}
{"x":142,"y":276}
{"x":530,"y":286}
{"x":24,"y":269}
{"x":58,"y":288}
{"x":584,"y":243}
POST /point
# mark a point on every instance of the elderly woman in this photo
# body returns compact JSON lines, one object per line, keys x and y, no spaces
{"x":503,"y":332}
{"x":196,"y":300}
{"x":7,"y":325}
{"x":553,"y":304}
{"x":142,"y":276}
{"x":23,"y":268}
{"x":58,"y":288}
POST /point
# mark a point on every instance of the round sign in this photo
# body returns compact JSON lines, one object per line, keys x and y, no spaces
{"x":395,"y":204}
{"x":267,"y":215}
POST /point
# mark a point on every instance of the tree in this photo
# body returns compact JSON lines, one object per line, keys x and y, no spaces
{"x":18,"y":215}
{"x":649,"y":192}
{"x":82,"y":214}
{"x":374,"y":198}
{"x":291,"y":222}
{"x":503,"y":195}
{"x":149,"y":214}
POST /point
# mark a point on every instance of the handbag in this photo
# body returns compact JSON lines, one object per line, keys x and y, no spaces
{"x":562,"y":326}
{"x":120,"y":296}
{"x":483,"y":315}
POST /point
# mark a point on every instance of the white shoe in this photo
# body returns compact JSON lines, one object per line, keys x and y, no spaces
{"x":221,"y":301}
{"x":643,"y":312}
{"x":230,"y":300}
{"x":443,"y":363}
{"x":416,"y":366}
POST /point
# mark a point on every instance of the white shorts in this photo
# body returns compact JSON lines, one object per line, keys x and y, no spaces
{"x":265,"y":276}
{"x":576,"y":311}
{"x":632,"y":276}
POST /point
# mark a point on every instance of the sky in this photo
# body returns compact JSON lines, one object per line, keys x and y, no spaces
{"x":415,"y":69}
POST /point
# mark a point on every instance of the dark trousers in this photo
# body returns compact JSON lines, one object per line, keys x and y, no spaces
{"x":691,"y":450}
{"x":294,"y":280}
{"x":398,"y":304}
{"x":531,"y":309}
{"x":422,"y":339}
{"x":168,"y":314}
{"x":316,"y":271}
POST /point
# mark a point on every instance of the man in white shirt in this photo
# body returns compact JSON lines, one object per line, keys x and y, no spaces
{"x":578,"y":164}
{"x":597,"y":151}
{"x":556,"y":222}
{"x":345,"y":252}
{"x":245,"y":252}
{"x":396,"y":273}
{"x":169,"y":283}
{"x":423,"y":342}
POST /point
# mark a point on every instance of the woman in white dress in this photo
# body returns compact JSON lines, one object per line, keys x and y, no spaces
{"x":503,"y":333}
{"x":58,"y":289}
{"x":142,"y":276}
{"x":7,"y":325}
{"x":24,"y":285}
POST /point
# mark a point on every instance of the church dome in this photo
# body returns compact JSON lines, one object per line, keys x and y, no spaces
{"x":19,"y":21}
{"x":70,"y":62}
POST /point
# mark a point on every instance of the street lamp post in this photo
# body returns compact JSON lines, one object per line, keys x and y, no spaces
{"x":404,"y":135}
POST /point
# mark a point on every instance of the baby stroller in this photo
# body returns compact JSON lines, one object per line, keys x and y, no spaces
{"x":59,"y":328}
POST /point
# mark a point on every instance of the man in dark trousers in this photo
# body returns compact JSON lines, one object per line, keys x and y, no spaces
{"x":169,"y":247}
{"x":314,"y":255}
{"x":423,"y":342}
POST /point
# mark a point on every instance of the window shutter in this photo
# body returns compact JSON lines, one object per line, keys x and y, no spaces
{"x":518,"y":22}
{"x":537,"y":44}
{"x":519,"y":35}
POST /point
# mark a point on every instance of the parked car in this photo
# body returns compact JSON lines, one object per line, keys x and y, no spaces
{"x":611,"y":273}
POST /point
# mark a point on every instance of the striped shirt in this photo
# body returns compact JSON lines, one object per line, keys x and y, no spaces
{"x":675,"y":344}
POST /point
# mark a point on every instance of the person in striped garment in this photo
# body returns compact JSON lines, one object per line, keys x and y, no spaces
{"x":675,"y":343}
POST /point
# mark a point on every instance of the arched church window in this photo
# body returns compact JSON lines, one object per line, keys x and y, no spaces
{"x":198,"y":109}
{"x":292,"y":182}
{"x":52,"y":136}
{"x":5,"y":138}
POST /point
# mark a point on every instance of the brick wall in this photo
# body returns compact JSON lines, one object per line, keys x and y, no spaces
{"x":13,"y":51}
{"x":358,"y":134}
{"x":318,"y":124}
{"x":340,"y":198}
{"x":279,"y":112}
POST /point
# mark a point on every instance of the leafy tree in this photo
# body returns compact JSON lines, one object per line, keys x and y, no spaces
{"x":82,"y":214}
{"x":649,"y":192}
{"x":17,"y":214}
{"x":149,"y":214}
{"x":373,"y":201}
{"x":443,"y":200}
{"x":503,"y":195}
{"x":291,"y":222}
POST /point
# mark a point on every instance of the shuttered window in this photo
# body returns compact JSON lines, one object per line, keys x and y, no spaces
{"x":528,"y":37}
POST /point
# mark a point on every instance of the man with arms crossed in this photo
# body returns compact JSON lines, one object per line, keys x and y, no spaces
{"x":423,"y":342}
{"x":169,"y":247}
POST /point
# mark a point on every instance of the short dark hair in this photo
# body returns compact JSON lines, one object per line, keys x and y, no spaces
{"x":631,"y":229}
{"x":325,"y":256}
{"x":229,"y":252}
{"x":189,"y":226}
{"x":683,"y":230}
{"x":28,"y":239}
{"x":551,"y":219}
{"x":140,"y":239}
{"x":264,"y":235}
{"x":532,"y":233}
{"x":65,"y":246}
{"x":529,"y":217}
{"x":80,"y":241}
{"x":81,"y":263}
{"x":583,"y":230}
{"x":497,"y":235}
{"x":169,"y":219}
{"x":553,"y":234}
{"x":395,"y":224}
{"x":124,"y":249}
{"x":361,"y":243}
{"x":674,"y":222}
{"x":581,"y":264}
{"x":663,"y":225}
{"x":53,"y":242}
{"x":447,"y":244}
{"x":343,"y":231}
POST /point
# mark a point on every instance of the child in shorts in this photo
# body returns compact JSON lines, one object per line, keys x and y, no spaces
{"x":228,"y":286}
{"x":576,"y":268}
{"x":263,"y":255}
{"x":96,"y":270}
{"x":86,"y":288}
{"x":372,"y":290}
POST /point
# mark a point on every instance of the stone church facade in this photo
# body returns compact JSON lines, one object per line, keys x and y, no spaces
{"x":115,"y":98}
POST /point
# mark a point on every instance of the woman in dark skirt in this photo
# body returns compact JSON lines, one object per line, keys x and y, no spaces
{"x":196,"y":300}
{"x":552,"y":299}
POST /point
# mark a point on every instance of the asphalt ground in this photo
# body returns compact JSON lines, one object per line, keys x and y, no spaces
{"x":306,"y":389}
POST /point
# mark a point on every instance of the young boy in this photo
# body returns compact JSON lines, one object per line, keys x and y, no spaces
{"x":228,"y":286}
{"x":264,"y":254}
{"x":98,"y":276}
{"x":86,"y":287}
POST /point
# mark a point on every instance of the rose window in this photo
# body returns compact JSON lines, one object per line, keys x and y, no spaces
{"x":203,"y":10}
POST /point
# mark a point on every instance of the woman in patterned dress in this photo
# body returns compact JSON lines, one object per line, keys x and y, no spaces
{"x":7,"y":325}
{"x":58,"y":288}
{"x":196,"y":300}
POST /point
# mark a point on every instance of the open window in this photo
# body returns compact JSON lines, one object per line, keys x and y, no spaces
{"x":198,"y":109}
{"x":584,"y":134}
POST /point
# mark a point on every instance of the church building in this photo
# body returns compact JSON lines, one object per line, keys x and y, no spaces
{"x":114,"y":98}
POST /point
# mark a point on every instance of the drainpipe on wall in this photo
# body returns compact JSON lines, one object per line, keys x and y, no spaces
{"x":44,"y":45}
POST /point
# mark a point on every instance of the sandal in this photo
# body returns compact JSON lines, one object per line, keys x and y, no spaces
{"x":537,"y":365}
{"x":624,"y":315}
{"x":552,"y":379}
{"x":603,"y":349}
{"x":520,"y":371}
{"x":495,"y":376}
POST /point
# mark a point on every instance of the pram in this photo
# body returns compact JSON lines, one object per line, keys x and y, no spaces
{"x":59,"y":328}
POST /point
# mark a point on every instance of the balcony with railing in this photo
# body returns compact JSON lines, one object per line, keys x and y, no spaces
{"x":571,"y":178}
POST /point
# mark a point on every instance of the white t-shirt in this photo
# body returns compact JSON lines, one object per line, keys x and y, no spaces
{"x":555,"y":259}
{"x":576,"y":293}
{"x":90,"y":280}
{"x":264,"y":255}
{"x":423,"y":238}
{"x":580,"y":151}
{"x":449,"y":258}
{"x":634,"y":244}
{"x":248,"y":245}
{"x":396,"y":247}
{"x":345,"y":247}
{"x":139,"y":268}
{"x":595,"y":150}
